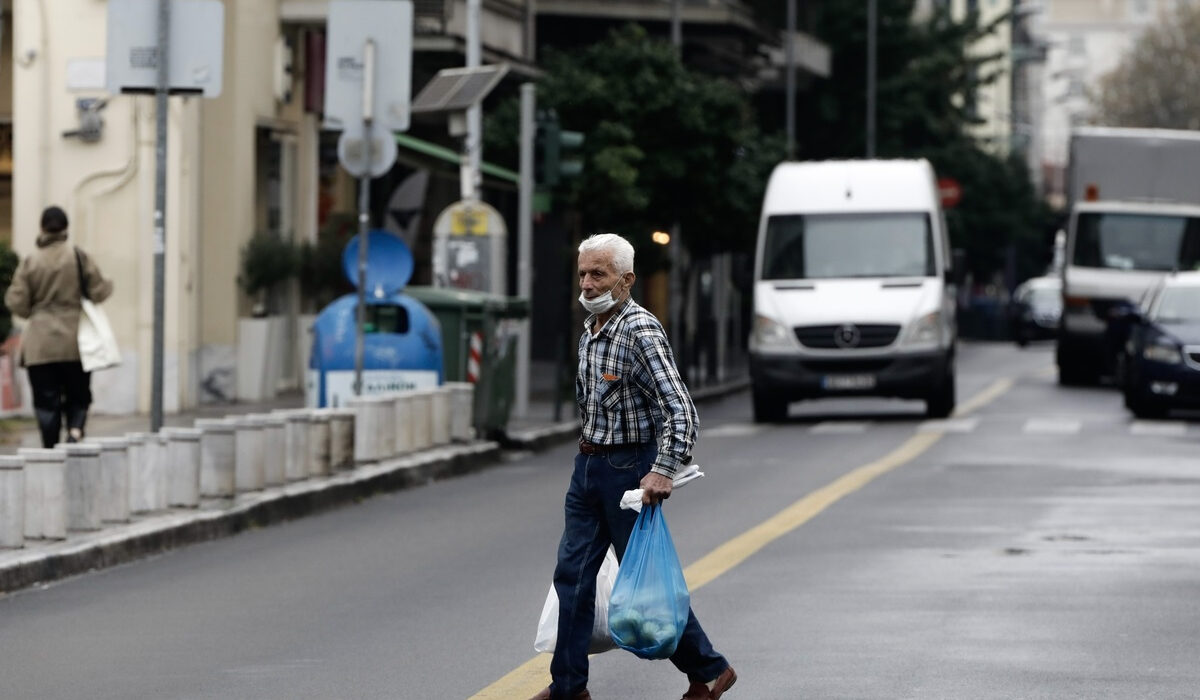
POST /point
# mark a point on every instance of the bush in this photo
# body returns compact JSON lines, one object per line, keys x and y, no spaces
{"x":267,"y":260}
{"x":320,"y":264}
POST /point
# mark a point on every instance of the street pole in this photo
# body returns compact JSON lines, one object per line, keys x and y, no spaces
{"x":677,"y":25}
{"x":791,"y":79}
{"x":525,"y":240}
{"x":872,"y":31}
{"x":473,"y":148}
{"x":364,"y":211}
{"x":160,"y":212}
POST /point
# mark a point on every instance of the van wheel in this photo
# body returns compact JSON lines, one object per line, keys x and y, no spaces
{"x":767,"y":408}
{"x":941,"y":403}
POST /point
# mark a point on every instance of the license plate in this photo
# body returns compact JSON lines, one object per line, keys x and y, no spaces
{"x":845,"y":382}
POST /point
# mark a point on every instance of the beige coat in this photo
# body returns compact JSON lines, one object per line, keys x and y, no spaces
{"x":45,"y":289}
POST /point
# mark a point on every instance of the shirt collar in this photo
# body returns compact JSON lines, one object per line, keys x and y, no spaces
{"x":626,"y":305}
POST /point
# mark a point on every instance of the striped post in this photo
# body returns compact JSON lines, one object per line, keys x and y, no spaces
{"x":475,"y":357}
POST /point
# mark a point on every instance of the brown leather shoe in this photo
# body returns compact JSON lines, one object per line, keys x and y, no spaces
{"x":545,"y":695}
{"x":700,"y":691}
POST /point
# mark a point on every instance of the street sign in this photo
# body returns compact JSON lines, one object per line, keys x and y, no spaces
{"x":950,"y":192}
{"x":194,"y":61}
{"x":361,"y":158}
{"x":389,"y":24}
{"x":469,"y":252}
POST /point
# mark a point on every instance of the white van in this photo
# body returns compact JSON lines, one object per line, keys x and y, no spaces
{"x":853,"y":287}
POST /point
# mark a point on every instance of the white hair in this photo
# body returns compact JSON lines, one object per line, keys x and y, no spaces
{"x":616,"y":246}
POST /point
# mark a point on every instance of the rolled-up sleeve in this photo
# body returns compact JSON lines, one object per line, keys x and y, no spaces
{"x":679,"y":419}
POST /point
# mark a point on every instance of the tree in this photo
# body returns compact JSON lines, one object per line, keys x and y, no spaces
{"x":663,"y":144}
{"x":1156,"y":84}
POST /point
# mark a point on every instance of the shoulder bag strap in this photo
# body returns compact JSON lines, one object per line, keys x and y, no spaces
{"x":83,"y":292}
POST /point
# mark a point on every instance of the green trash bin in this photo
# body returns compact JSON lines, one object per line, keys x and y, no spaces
{"x":466,"y":315}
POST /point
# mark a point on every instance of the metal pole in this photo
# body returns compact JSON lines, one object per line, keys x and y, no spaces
{"x":791,"y":79}
{"x":677,"y":25}
{"x":474,"y":144}
{"x":872,"y":31}
{"x":525,"y":240}
{"x":364,"y":212}
{"x":160,"y":212}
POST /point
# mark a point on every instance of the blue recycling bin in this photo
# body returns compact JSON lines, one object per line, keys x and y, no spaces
{"x":402,"y":342}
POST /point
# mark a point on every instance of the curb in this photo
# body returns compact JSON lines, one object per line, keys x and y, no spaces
{"x":541,"y":438}
{"x":216,"y":518}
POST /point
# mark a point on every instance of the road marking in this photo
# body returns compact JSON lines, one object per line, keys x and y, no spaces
{"x":533,"y":675}
{"x":1052,"y":426}
{"x":733,"y":430}
{"x":839,"y":427}
{"x":1158,"y":428}
{"x":949,"y":425}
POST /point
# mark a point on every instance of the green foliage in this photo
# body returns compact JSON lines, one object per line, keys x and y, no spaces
{"x":267,"y":260}
{"x":320,"y":264}
{"x":8,"y":265}
{"x":663,"y":144}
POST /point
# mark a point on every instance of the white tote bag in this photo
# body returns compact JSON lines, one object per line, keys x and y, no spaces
{"x":547,"y":630}
{"x":97,"y":344}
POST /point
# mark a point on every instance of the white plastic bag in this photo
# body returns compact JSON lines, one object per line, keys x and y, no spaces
{"x":547,"y":630}
{"x":632,"y":500}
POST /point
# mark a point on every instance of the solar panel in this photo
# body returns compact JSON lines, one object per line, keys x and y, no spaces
{"x":457,"y":89}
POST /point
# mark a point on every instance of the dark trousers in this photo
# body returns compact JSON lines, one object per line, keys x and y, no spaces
{"x":60,"y":389}
{"x":594,"y":520}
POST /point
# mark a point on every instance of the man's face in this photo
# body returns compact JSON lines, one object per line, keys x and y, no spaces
{"x":597,"y":274}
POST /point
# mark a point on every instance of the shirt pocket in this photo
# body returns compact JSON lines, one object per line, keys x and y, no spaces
{"x":609,"y":393}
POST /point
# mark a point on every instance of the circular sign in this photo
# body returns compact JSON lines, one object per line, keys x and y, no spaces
{"x":389,"y":263}
{"x":360,"y":160}
{"x":949,"y":191}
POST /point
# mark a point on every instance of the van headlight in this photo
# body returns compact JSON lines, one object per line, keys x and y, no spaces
{"x":769,"y":333}
{"x":926,"y":330}
{"x":1160,"y":351}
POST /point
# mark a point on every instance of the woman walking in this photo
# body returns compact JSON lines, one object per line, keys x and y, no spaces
{"x":47,"y":288}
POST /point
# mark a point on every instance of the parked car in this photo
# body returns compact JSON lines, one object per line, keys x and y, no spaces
{"x":1159,"y":366}
{"x":1035,"y":310}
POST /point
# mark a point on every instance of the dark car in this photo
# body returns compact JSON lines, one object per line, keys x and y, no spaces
{"x":1035,"y":310}
{"x":1159,"y":366}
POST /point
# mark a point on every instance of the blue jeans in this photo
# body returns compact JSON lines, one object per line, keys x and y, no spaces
{"x":594,"y":520}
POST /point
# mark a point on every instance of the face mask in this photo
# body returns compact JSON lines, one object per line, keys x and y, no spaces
{"x":600,"y":304}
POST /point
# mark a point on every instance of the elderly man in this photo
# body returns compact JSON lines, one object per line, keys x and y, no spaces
{"x":639,"y":425}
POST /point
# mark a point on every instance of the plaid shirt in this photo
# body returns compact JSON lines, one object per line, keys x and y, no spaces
{"x":629,"y":390}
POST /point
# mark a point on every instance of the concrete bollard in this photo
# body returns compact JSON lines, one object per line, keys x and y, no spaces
{"x":462,"y":403}
{"x":114,"y":479}
{"x":138,"y":502}
{"x":422,"y":406}
{"x":440,"y":398}
{"x":248,"y":454}
{"x":157,"y":468}
{"x":318,"y":443}
{"x":341,"y":438}
{"x":82,"y":481}
{"x":46,"y":512}
{"x":217,"y":457}
{"x":274,"y":449}
{"x":182,"y":465}
{"x":403,"y":425}
{"x":385,"y":436}
{"x":374,"y":434}
{"x":12,"y":502}
{"x":296,"y":437}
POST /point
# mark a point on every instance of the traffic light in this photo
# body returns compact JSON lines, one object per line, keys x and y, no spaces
{"x":549,"y":166}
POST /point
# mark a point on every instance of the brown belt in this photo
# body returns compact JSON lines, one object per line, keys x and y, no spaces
{"x":591,"y":448}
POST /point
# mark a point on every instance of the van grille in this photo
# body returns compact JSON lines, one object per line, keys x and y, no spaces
{"x":847,"y":336}
{"x":846,"y":366}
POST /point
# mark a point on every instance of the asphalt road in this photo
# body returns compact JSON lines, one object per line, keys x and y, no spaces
{"x":1039,"y":545}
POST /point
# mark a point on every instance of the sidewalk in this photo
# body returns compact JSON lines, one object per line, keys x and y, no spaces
{"x":149,"y":533}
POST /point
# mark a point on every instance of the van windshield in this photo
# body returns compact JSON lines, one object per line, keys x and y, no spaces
{"x":825,"y":246}
{"x":1137,"y":241}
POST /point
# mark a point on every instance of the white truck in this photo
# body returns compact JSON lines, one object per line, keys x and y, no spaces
{"x":1134,"y":199}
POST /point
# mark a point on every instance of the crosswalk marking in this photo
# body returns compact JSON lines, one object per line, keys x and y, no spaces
{"x":733,"y":430}
{"x":1159,"y":428}
{"x":839,"y":427}
{"x":1052,"y":426}
{"x":949,"y":425}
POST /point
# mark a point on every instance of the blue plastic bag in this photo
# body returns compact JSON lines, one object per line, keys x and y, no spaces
{"x":650,"y":601}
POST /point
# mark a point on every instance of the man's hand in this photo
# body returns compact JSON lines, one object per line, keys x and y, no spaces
{"x":655,"y":488}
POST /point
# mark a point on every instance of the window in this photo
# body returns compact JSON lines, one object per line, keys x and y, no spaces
{"x":1137,"y":242}
{"x":848,"y":245}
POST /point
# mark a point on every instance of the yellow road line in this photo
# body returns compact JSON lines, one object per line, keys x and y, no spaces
{"x":533,"y":675}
